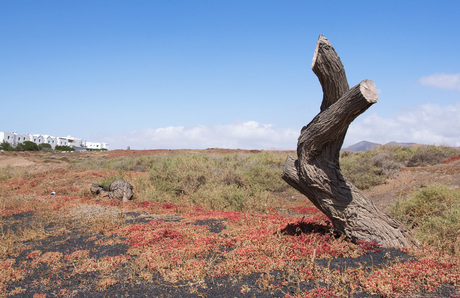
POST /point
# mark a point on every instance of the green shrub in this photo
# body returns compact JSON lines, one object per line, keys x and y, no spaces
{"x":362,"y":175}
{"x":5,"y":146}
{"x":235,"y":182}
{"x":263,"y":170}
{"x":373,"y":167}
{"x":430,"y":155}
{"x":434,"y":214}
{"x":45,"y":147}
{"x":182,"y":174}
{"x":230,"y":182}
{"x":63,"y":148}
{"x":29,"y":146}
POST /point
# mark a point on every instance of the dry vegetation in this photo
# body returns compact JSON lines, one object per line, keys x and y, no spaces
{"x":214,"y":223}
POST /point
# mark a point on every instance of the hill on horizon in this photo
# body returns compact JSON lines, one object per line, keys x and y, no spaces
{"x":365,"y":145}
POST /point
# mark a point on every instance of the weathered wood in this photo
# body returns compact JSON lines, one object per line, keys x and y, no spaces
{"x":330,"y":72}
{"x":316,"y":173}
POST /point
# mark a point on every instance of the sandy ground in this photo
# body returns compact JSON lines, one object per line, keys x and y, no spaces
{"x":15,"y":162}
{"x":412,"y":179}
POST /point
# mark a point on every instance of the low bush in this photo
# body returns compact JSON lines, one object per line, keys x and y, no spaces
{"x":431,"y":155}
{"x":5,"y":146}
{"x":45,"y":147}
{"x":226,"y":182}
{"x":373,"y":167}
{"x":433,"y":213}
{"x":28,"y":146}
{"x":63,"y":148}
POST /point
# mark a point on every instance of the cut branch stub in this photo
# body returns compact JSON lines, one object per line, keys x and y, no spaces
{"x":330,"y":72}
{"x":316,"y":173}
{"x":330,"y":126}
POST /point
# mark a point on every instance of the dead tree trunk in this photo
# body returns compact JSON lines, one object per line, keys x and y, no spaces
{"x":316,"y":173}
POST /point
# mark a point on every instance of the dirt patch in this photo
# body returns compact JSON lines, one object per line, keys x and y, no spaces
{"x":15,"y":162}
{"x":412,"y":179}
{"x":33,"y":162}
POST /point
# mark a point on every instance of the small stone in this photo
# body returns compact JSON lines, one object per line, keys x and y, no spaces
{"x":96,"y":189}
{"x":120,"y":190}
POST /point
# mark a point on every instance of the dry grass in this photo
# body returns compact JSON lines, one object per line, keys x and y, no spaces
{"x":433,"y":213}
{"x":373,"y":167}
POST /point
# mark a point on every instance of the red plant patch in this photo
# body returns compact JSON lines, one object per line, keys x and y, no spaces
{"x":451,"y":159}
{"x":405,"y":278}
{"x":77,"y":255}
{"x":13,"y":210}
{"x":35,"y":254}
{"x":106,"y":283}
{"x":8,"y":273}
{"x":51,"y":258}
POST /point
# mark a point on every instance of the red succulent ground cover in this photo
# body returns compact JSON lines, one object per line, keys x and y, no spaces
{"x":165,"y":249}
{"x":451,"y":159}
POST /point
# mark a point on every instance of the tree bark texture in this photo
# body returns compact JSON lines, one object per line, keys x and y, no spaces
{"x":316,"y":173}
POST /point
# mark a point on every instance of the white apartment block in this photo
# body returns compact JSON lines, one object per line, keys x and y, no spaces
{"x":92,"y":145}
{"x":14,"y":138}
{"x":8,"y":137}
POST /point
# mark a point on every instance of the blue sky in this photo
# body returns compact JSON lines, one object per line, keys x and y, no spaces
{"x":230,"y":74}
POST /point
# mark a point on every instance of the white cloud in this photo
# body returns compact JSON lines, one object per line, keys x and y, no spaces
{"x":425,"y":124}
{"x":243,"y":135}
{"x":443,"y":81}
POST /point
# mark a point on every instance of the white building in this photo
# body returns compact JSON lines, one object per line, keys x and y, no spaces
{"x":50,"y":140}
{"x":8,"y":137}
{"x":38,"y":139}
{"x":93,"y":145}
{"x":74,"y":142}
{"x":20,"y":138}
{"x":14,"y":138}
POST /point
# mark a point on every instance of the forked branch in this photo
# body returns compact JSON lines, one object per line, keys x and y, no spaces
{"x":316,"y":173}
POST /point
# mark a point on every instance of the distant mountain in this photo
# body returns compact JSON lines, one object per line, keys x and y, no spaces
{"x":364,"y":145}
{"x":400,"y":144}
{"x":361,"y":146}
